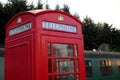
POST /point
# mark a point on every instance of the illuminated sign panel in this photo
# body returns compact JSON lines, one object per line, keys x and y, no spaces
{"x":60,"y":27}
{"x":20,"y":29}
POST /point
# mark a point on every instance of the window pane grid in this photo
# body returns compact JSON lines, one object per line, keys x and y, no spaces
{"x":62,"y":62}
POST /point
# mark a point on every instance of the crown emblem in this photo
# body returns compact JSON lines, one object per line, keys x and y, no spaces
{"x":60,"y":18}
{"x":19,"y":20}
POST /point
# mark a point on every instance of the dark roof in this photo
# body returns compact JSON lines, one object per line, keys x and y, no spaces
{"x":89,"y":54}
{"x":100,"y":54}
{"x":1,"y":46}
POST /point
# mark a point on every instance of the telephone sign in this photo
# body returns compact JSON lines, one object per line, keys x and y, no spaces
{"x":59,"y":27}
{"x":20,"y":29}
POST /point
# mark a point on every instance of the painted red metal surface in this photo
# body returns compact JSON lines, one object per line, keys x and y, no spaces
{"x":26,"y":46}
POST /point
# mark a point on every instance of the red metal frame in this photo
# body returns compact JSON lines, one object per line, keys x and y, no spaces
{"x":52,"y":40}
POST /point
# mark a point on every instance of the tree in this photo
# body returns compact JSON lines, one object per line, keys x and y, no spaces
{"x":11,"y":8}
{"x":90,"y":33}
{"x":77,"y":16}
{"x":94,"y":34}
{"x":47,"y":6}
{"x":66,"y":8}
{"x":115,"y":40}
{"x":97,"y":34}
{"x":18,"y":6}
{"x":106,"y":33}
{"x":2,"y":23}
{"x":39,"y":5}
{"x":57,"y":7}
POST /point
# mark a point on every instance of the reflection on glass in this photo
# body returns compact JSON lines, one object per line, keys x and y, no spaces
{"x":77,"y":69}
{"x":106,"y":67}
{"x":64,"y":77}
{"x":62,"y":65}
{"x":62,"y":50}
{"x":76,"y":51}
{"x":118,"y":63}
{"x":105,"y":63}
{"x":49,"y":49}
{"x":89,"y":70}
{"x":77,"y":77}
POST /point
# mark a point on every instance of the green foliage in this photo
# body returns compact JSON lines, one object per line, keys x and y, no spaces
{"x":77,"y":15}
{"x":8,"y":10}
{"x":39,"y":5}
{"x":95,"y":34}
{"x":2,"y":22}
{"x":66,"y":8}
{"x":57,"y":7}
{"x":90,"y":33}
{"x":47,"y":6}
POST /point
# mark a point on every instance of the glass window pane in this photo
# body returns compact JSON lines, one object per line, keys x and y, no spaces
{"x":88,"y":63}
{"x":62,"y":50}
{"x":77,"y":77}
{"x":105,"y":68}
{"x":89,"y":71}
{"x":50,"y":78}
{"x":77,"y":67}
{"x":49,"y":66}
{"x":64,"y":77}
{"x":76,"y":50}
{"x":118,"y":63}
{"x":49,"y":49}
{"x":63,"y":65}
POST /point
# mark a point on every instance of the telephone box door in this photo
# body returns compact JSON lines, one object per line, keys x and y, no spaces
{"x":61,"y":58}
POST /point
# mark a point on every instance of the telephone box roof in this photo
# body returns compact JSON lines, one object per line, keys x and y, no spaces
{"x":40,"y":12}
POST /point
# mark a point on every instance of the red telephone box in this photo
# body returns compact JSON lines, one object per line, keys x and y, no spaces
{"x":44,"y":45}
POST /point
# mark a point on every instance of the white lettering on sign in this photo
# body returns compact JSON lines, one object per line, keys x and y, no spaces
{"x":20,"y":29}
{"x":60,"y":27}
